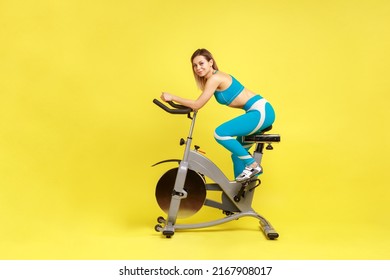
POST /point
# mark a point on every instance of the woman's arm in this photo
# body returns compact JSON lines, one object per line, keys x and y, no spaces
{"x":210,"y":87}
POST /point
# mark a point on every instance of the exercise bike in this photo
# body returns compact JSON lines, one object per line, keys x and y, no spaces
{"x":182,"y":191}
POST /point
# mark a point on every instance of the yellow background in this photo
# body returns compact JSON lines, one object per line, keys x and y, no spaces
{"x":79,"y":132}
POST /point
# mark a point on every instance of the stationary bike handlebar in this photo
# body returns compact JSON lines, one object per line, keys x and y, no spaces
{"x":177,"y":109}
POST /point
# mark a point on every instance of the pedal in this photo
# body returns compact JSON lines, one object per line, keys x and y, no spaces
{"x":258,"y":184}
{"x":241,"y":192}
{"x":243,"y":189}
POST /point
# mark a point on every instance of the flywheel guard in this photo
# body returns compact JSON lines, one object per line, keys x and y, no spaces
{"x":194,"y":186}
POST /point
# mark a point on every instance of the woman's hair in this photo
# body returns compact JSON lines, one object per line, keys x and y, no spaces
{"x":201,"y":81}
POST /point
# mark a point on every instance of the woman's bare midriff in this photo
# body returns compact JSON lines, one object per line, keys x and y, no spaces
{"x":242,"y":99}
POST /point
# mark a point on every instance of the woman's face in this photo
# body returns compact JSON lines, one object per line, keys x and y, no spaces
{"x":202,"y":67}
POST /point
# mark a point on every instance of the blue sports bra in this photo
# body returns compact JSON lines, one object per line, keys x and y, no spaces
{"x":225,"y":97}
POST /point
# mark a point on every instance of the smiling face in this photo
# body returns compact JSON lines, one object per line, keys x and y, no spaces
{"x":202,"y":67}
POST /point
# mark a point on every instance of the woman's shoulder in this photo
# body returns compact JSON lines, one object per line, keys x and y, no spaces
{"x":221,"y":76}
{"x":221,"y":73}
{"x":221,"y":79}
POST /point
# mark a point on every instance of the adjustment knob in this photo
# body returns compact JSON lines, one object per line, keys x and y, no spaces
{"x":197,"y":149}
{"x":269,"y":147}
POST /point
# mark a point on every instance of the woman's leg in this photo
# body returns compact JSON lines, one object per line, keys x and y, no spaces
{"x":251,"y":122}
{"x":238,"y":164}
{"x":229,"y":135}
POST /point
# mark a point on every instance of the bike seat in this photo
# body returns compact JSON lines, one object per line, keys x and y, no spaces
{"x":260,"y":137}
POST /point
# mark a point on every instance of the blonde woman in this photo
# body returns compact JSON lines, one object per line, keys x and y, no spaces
{"x":258,"y":114}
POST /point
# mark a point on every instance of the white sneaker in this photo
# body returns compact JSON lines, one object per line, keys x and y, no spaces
{"x":248,"y":173}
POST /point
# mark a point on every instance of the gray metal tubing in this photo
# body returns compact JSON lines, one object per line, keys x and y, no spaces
{"x":203,"y":165}
{"x":233,"y":217}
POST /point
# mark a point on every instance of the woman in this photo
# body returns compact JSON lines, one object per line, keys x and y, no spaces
{"x":259,"y":114}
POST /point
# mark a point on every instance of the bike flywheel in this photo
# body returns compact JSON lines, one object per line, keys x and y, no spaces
{"x":194,"y":186}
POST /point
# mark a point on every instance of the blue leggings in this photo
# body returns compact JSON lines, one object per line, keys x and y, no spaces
{"x":259,"y":115}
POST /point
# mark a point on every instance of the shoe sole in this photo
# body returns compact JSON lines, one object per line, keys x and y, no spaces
{"x":253,"y":175}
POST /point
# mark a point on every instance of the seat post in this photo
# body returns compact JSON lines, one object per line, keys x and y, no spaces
{"x":260,"y":139}
{"x":258,"y":153}
{"x":259,"y":147}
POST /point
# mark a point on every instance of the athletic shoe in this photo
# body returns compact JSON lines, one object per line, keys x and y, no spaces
{"x":248,"y":173}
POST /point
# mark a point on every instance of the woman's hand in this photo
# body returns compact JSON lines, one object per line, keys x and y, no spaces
{"x":165,"y":96}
